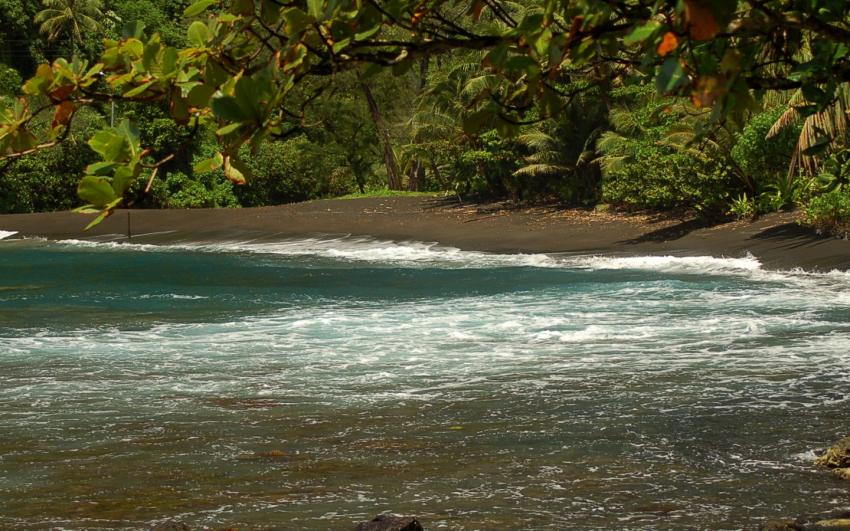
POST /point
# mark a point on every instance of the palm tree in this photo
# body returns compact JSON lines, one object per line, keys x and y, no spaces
{"x":70,"y":17}
{"x":551,"y":160}
{"x":828,"y":126}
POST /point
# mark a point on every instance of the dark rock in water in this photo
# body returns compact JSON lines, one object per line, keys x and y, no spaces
{"x":837,"y":456}
{"x":843,"y":473}
{"x":781,"y":524}
{"x":171,"y":526}
{"x":387,"y":522}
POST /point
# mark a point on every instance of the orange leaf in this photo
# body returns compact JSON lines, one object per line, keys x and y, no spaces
{"x":575,"y":29}
{"x":476,"y":10}
{"x":700,"y":20}
{"x":419,"y":15}
{"x":64,"y":112}
{"x":668,"y":44}
{"x":61,"y":93}
{"x":706,"y":91}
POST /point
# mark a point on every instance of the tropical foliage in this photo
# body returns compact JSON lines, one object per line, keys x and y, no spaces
{"x":712,"y":106}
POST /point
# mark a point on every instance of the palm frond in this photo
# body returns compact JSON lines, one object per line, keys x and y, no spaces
{"x":536,"y":140}
{"x":543,"y":170}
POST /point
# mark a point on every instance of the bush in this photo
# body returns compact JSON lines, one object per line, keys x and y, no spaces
{"x":656,"y":177}
{"x":47,"y":180}
{"x":293,"y":170}
{"x":654,"y":160}
{"x":742,"y":207}
{"x":764,"y":160}
{"x":487,"y":170}
{"x":830,"y":212}
{"x":10,"y":81}
{"x":206,"y":190}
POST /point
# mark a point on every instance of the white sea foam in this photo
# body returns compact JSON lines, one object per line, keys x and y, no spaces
{"x":7,"y":233}
{"x":653,"y":370}
{"x":418,"y":254}
{"x":705,"y":265}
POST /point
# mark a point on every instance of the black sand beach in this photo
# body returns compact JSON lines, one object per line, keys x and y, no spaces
{"x":776,"y":239}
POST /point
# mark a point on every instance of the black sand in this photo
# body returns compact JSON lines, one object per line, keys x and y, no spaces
{"x":777,"y":240}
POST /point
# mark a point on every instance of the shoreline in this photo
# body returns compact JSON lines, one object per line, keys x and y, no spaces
{"x":776,"y":240}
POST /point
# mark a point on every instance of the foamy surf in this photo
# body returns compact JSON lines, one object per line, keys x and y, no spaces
{"x":570,"y":381}
{"x":358,"y":250}
{"x":346,"y":249}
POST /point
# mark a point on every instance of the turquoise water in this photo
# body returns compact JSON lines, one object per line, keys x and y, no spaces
{"x":315,"y":383}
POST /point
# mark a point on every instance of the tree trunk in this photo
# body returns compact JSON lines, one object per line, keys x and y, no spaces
{"x":416,"y":173}
{"x":358,"y":175}
{"x":393,"y":175}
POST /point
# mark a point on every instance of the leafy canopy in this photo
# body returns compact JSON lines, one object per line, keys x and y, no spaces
{"x":246,"y":58}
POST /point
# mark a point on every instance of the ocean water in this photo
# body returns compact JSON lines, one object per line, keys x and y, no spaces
{"x":315,"y":383}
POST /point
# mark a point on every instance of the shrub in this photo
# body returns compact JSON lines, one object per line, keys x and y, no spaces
{"x":655,"y":160}
{"x":830,"y":212}
{"x":742,"y":207}
{"x":293,"y":170}
{"x":206,"y":190}
{"x":488,"y":169}
{"x":10,"y":81}
{"x":764,"y":160}
{"x":47,"y":180}
{"x":656,"y":177}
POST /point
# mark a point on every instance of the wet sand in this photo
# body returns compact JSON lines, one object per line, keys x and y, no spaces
{"x":776,"y":240}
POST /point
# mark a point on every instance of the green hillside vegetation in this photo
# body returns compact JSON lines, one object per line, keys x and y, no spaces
{"x":715,"y":107}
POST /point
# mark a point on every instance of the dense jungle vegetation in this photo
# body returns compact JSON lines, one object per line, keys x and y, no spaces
{"x":711,"y":106}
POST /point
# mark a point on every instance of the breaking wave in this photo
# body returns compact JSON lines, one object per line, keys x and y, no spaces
{"x":418,"y":254}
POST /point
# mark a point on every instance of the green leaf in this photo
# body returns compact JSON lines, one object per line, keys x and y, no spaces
{"x":138,"y":90}
{"x":96,"y":190}
{"x":214,"y":74}
{"x":199,"y":34}
{"x":107,"y":211}
{"x":242,"y":7}
{"x":133,"y":30}
{"x":40,"y":82}
{"x":227,"y":129}
{"x":641,"y":33}
{"x":97,"y":221}
{"x":101,"y":168}
{"x":522,"y":63}
{"x":365,"y":34}
{"x":109,"y":145}
{"x":670,"y":76}
{"x":316,"y":8}
{"x":296,"y":20}
{"x":123,"y":178}
{"x":198,"y":7}
{"x":250,"y":92}
{"x":269,"y":12}
{"x":168,"y":63}
{"x":208,"y":165}
{"x":228,"y":109}
{"x":130,"y":133}
{"x":200,"y":96}
{"x":235,"y":170}
{"x":179,"y":107}
{"x":341,"y":45}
